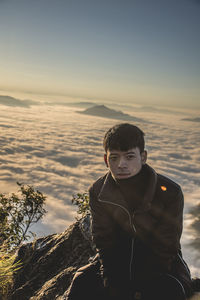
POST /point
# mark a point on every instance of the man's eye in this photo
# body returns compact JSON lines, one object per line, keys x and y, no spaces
{"x":130,"y":156}
{"x":113,"y":158}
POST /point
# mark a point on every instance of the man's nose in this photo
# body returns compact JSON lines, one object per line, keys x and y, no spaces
{"x":122,"y":163}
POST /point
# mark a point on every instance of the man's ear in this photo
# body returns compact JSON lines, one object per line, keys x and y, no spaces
{"x":144,"y":157}
{"x":105,"y":159}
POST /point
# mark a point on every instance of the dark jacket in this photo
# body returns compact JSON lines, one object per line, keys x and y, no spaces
{"x":134,"y":245}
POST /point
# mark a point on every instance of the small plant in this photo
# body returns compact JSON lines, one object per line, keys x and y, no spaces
{"x":8,"y":267}
{"x":82,"y":201}
{"x":18,"y":212}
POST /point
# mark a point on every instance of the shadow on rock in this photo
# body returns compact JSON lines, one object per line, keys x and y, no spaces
{"x":49,"y":264}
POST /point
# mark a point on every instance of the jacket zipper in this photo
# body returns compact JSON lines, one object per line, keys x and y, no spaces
{"x":131,"y":259}
{"x":126,"y":210}
{"x":134,"y":229}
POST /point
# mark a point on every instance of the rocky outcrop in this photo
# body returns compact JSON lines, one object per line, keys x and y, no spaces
{"x":49,"y":263}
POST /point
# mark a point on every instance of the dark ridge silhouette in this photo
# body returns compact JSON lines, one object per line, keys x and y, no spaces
{"x":6,"y":126}
{"x":153,"y":109}
{"x":105,"y":112}
{"x":192,"y":119}
{"x":10,"y":101}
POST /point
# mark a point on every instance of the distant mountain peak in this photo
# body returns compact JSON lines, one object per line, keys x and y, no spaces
{"x":11,"y":101}
{"x":106,"y":112}
{"x":101,"y":106}
{"x":197,"y":119}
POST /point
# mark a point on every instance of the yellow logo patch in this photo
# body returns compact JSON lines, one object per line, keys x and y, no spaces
{"x":163,"y":188}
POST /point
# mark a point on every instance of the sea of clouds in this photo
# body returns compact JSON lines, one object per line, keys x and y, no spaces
{"x":59,"y":152}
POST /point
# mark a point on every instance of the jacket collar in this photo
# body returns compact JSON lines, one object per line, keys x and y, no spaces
{"x":110,"y":191}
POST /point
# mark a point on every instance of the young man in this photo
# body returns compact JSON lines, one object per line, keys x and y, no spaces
{"x":137,"y":219}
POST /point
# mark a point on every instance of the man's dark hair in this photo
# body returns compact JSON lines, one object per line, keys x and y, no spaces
{"x":124,"y":137}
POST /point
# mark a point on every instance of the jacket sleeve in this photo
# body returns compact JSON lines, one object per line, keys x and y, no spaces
{"x":104,"y":237}
{"x":167,"y":234}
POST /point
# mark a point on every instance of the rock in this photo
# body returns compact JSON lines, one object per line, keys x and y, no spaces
{"x":49,"y":263}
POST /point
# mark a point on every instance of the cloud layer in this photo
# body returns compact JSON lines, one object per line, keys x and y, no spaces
{"x":60,"y":152}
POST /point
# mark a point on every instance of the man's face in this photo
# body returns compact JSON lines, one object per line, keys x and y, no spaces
{"x":124,"y":164}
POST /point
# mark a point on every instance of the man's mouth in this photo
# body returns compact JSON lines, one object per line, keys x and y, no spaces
{"x":123,"y":174}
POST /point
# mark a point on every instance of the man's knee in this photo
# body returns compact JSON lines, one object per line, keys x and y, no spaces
{"x":166,"y":287}
{"x":85,"y":283}
{"x":174,"y":287}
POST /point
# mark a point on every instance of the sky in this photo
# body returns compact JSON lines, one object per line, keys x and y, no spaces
{"x":133,"y":51}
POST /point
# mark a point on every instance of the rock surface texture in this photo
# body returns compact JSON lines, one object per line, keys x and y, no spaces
{"x":49,"y":263}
